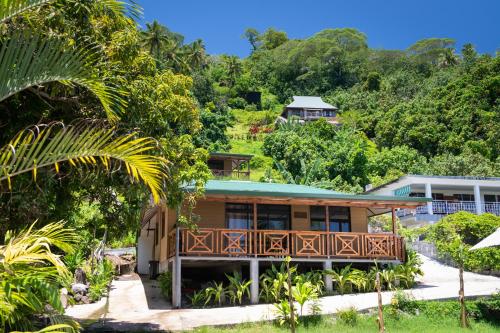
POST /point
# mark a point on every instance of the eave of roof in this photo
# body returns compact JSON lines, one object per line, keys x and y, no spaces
{"x":236,"y":155}
{"x":256,"y":189}
{"x":431,"y":176}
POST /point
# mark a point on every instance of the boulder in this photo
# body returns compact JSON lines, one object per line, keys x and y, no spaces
{"x":80,"y":276}
{"x":79,"y":288}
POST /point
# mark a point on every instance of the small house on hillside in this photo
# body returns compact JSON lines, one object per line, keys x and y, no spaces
{"x":230,"y":165}
{"x":307,"y":108}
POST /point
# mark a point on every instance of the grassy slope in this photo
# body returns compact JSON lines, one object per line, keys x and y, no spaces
{"x":243,"y":121}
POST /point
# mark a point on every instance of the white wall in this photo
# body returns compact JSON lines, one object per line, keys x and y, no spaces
{"x":145,"y":249}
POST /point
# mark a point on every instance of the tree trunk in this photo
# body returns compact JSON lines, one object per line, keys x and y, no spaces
{"x":290,"y":297}
{"x":464,"y":322}
{"x":381,"y":327}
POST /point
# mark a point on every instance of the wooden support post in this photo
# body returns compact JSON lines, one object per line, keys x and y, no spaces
{"x":381,"y":327}
{"x":290,"y":296}
{"x":394,"y":227}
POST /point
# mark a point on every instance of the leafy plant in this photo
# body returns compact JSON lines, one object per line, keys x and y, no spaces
{"x":216,"y":292}
{"x":238,"y":288}
{"x":165,"y":281}
{"x":29,"y":276}
{"x":304,"y":291}
{"x":100,"y":279}
{"x":343,"y":278}
{"x":273,"y":282}
{"x":348,"y":316}
{"x":284,"y":312}
{"x":198,"y":298}
{"x":409,"y":270}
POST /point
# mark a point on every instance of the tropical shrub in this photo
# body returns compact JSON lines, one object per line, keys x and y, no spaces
{"x":304,"y":291}
{"x":409,"y":270}
{"x":489,"y":308}
{"x":216,"y":293}
{"x":467,"y":229}
{"x":29,"y":277}
{"x":238,"y":288}
{"x":165,"y":281}
{"x":343,"y":278}
{"x":348,"y":316}
{"x":198,"y":298}
{"x":284,"y":313}
{"x":100,"y":279}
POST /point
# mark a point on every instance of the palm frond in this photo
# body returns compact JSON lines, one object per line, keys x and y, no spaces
{"x":29,"y":274}
{"x":82,"y":145}
{"x":31,"y":61}
{"x":117,"y":7}
{"x":10,"y":8}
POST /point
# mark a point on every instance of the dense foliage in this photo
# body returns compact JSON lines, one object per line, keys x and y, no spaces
{"x":455,"y":234}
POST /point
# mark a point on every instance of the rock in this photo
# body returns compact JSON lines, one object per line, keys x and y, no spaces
{"x":78,"y":297}
{"x":80,"y":276}
{"x":79,"y":288}
{"x":85,"y":300}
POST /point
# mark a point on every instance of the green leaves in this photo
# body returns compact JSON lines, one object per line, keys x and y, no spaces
{"x":30,"y":273}
{"x":82,"y":145}
{"x":10,"y":8}
{"x":32,"y":61}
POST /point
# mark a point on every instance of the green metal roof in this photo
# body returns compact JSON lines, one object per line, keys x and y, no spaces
{"x":248,"y":188}
{"x":236,"y":155}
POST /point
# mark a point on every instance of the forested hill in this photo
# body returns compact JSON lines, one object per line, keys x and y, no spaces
{"x":428,"y":109}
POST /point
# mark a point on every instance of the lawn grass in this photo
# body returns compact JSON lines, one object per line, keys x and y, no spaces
{"x":366,"y":323}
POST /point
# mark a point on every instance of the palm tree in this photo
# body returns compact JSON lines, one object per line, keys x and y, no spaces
{"x":447,"y":58}
{"x":195,"y":53}
{"x":29,"y":277}
{"x":233,"y":69}
{"x":26,"y":62}
{"x":155,"y":37}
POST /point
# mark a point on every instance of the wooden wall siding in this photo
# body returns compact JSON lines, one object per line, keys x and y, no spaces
{"x":228,"y":165}
{"x":212,"y":214}
{"x":359,"y":219}
{"x":299,"y":223}
{"x":164,"y":239}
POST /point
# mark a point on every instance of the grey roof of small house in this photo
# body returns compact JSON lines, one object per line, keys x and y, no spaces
{"x":309,"y":102}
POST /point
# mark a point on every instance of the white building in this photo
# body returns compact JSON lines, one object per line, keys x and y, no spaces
{"x":450,"y":194}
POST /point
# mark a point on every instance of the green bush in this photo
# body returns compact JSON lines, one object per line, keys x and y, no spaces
{"x":237,"y":103}
{"x":467,"y":229}
{"x":100,"y":279}
{"x":348,"y":316}
{"x":165,"y":281}
{"x":489,"y":308}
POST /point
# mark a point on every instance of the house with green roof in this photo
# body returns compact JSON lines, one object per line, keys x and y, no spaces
{"x":245,"y":226}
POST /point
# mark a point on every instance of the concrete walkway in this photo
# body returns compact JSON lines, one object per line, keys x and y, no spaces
{"x":135,"y":304}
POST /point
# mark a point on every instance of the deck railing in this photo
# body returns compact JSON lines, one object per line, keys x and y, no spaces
{"x":445,"y":207}
{"x":280,"y":243}
{"x":231,"y":173}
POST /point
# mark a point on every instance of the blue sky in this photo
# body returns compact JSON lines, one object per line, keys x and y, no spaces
{"x":388,"y":24}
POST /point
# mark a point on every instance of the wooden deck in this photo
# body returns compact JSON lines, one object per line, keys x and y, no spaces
{"x":214,"y":242}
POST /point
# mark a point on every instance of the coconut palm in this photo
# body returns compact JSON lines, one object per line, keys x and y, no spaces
{"x":29,"y":277}
{"x":155,"y":37}
{"x":195,"y":53}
